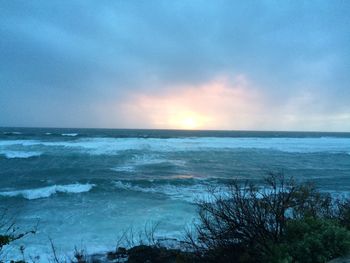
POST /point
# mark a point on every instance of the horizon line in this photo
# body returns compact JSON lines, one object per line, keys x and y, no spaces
{"x":170,"y":129}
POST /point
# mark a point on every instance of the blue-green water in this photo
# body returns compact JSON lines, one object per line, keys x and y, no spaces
{"x":87,"y":185}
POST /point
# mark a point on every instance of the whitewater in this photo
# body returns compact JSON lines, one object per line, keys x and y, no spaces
{"x":86,"y":186}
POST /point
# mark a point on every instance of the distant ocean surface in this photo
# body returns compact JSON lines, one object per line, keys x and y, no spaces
{"x":85,"y":186}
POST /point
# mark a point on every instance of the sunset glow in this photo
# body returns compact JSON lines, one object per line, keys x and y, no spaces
{"x":187,"y":120}
{"x":221,"y":103}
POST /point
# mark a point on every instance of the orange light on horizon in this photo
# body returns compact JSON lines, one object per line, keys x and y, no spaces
{"x":219,"y":104}
{"x":187,"y":120}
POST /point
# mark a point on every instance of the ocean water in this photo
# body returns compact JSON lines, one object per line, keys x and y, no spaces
{"x":86,"y":186}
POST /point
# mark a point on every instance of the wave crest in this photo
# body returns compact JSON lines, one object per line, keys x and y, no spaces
{"x":70,"y":134}
{"x":45,"y":192}
{"x":18,"y":154}
{"x":188,"y":193}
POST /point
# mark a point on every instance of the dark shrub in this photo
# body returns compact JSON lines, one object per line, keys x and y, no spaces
{"x":311,"y":240}
{"x":9,"y":233}
{"x":256,"y":224}
{"x":342,"y":212}
{"x":153,"y":254}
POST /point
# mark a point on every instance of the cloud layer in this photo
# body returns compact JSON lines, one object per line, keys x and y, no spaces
{"x":99,"y":64}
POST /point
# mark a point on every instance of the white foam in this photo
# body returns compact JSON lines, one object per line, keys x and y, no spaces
{"x":12,"y":133}
{"x":146,"y":160}
{"x":70,"y":134}
{"x":123,"y":168}
{"x":45,"y":192}
{"x":302,"y":145}
{"x":112,"y":146}
{"x":151,"y":159}
{"x":19,"y":142}
{"x":189,"y":193}
{"x":19,"y":154}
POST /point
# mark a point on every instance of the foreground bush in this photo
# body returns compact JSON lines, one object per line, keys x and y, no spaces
{"x":9,"y":233}
{"x":311,"y":240}
{"x":280,"y":222}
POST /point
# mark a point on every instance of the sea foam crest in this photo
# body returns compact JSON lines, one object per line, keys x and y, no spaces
{"x":70,"y":134}
{"x":293,"y":145}
{"x":12,"y":133}
{"x":45,"y":192}
{"x":6,"y":143}
{"x":112,"y":146}
{"x":18,"y":154}
{"x":189,"y":193}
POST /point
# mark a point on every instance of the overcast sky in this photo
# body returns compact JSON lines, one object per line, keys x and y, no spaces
{"x":262,"y":65}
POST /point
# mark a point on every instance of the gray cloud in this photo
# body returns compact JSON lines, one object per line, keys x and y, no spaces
{"x":61,"y":59}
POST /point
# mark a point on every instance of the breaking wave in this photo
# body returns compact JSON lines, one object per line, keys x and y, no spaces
{"x":19,"y":142}
{"x":70,"y":134}
{"x":45,"y":192}
{"x":12,"y":133}
{"x":293,"y":145}
{"x":18,"y":154}
{"x":189,"y":193}
{"x":113,"y":146}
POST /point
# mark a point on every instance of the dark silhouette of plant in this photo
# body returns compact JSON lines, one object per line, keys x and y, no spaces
{"x":311,"y":240}
{"x":79,"y":256}
{"x":342,"y":212}
{"x":247,"y":222}
{"x":10,"y":233}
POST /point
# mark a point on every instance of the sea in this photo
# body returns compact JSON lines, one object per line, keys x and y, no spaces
{"x":83,"y":188}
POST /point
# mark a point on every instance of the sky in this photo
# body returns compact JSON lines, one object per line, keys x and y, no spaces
{"x":233,"y":65}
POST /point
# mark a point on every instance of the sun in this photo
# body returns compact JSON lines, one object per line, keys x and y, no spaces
{"x":186,"y":120}
{"x":190,"y":123}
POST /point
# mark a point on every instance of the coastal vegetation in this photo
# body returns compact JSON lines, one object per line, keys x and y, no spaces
{"x":278,"y":221}
{"x":9,"y":233}
{"x":283,"y":221}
